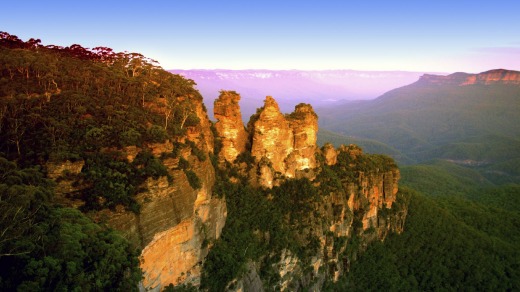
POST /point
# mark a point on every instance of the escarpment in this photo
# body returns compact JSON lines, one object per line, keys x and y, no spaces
{"x":178,"y":213}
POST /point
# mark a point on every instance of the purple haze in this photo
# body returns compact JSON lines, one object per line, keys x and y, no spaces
{"x":290,"y":87}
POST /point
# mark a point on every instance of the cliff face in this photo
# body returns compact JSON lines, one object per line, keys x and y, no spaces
{"x":370,"y":192}
{"x":229,"y":125}
{"x":368,"y":198}
{"x":497,"y":76}
{"x":176,"y":221}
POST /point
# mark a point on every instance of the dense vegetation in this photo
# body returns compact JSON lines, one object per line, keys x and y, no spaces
{"x":48,"y":247}
{"x":50,"y":110}
{"x":79,"y":104}
{"x":461,"y":233}
{"x":260,"y":225}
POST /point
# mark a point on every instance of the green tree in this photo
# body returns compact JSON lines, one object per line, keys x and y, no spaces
{"x":47,"y":247}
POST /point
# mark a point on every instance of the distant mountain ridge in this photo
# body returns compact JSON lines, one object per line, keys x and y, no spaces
{"x":290,"y":87}
{"x":496,"y":76}
{"x":459,"y":117}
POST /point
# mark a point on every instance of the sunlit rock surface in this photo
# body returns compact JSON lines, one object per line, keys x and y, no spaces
{"x":288,"y":142}
{"x":229,"y":125}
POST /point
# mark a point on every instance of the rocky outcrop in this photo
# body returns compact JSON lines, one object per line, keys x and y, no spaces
{"x":497,"y":76}
{"x":365,"y":207}
{"x":304,"y":124}
{"x":272,"y":137}
{"x":229,"y":126}
{"x":283,"y":146}
{"x":371,"y":191}
{"x":286,"y":142}
{"x":330,"y":154}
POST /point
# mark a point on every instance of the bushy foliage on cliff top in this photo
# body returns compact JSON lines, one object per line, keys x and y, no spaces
{"x":62,"y":101}
{"x":74,"y":103}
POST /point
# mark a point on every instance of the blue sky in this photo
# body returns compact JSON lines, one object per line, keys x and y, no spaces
{"x":435,"y":36}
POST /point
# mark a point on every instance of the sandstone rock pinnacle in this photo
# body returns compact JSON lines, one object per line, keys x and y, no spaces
{"x":272,"y":136}
{"x":230,"y":127}
{"x":287,"y":141}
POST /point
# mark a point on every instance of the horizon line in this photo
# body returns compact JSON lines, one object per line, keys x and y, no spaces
{"x":309,"y":70}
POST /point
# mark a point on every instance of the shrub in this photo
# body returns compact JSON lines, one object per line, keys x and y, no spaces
{"x":157,"y":134}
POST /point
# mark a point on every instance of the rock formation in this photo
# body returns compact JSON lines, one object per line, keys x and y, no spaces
{"x":304,"y":124}
{"x":284,"y":147}
{"x":286,"y":142}
{"x":272,"y":137}
{"x":229,"y":126}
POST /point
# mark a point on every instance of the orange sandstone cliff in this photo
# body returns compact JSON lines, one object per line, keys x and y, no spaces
{"x":175,"y":222}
